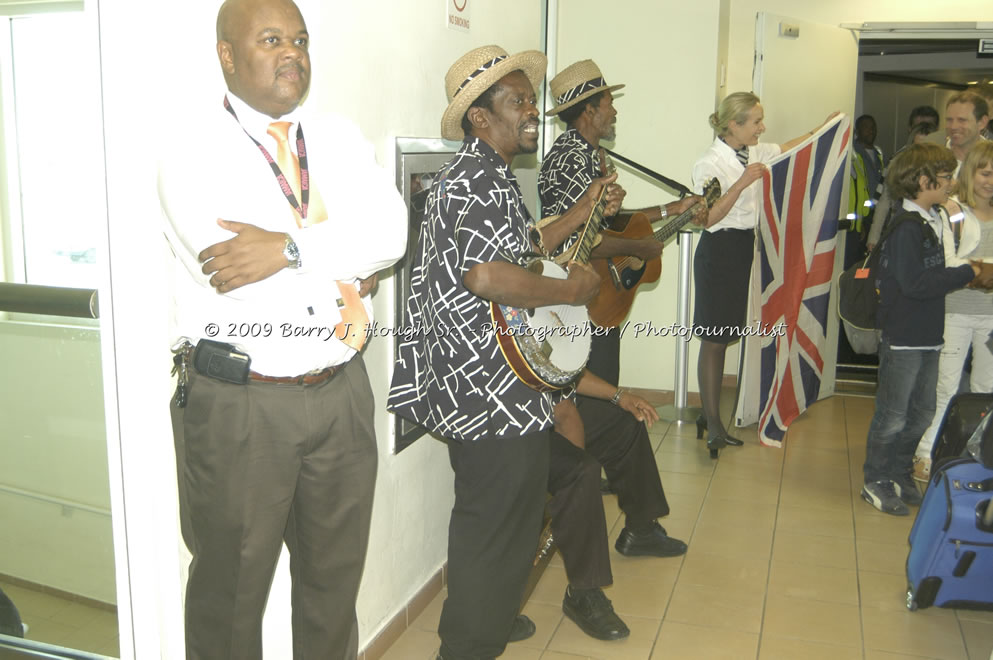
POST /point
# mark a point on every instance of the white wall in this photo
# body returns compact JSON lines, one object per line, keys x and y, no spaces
{"x":666,"y":54}
{"x":743,"y":13}
{"x":383,"y":65}
{"x":742,"y":33}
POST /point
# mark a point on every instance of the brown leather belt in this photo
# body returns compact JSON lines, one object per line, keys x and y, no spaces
{"x":309,"y":378}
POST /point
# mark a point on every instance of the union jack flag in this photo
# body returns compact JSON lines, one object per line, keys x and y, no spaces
{"x":798,"y":227}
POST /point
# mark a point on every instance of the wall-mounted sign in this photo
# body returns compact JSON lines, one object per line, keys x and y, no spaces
{"x":457,"y":14}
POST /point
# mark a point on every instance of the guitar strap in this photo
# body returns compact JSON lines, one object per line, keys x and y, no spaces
{"x":661,"y":178}
{"x":602,"y":158}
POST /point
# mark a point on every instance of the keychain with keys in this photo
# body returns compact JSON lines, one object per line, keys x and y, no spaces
{"x":180,"y":367}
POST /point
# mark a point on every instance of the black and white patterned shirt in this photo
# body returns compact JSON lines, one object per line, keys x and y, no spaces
{"x":451,"y":376}
{"x":566,"y":172}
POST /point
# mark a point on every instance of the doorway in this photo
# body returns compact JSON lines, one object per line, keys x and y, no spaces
{"x":896,"y":75}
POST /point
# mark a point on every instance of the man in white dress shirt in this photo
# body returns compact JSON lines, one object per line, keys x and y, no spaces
{"x":273,"y":414}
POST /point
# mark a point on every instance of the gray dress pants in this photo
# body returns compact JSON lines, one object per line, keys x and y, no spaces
{"x":260,"y":464}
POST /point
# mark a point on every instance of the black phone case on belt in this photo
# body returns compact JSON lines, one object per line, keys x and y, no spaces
{"x":221,"y":361}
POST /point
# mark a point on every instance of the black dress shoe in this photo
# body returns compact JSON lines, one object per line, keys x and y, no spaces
{"x":653,"y":543}
{"x":521,"y":629}
{"x":591,"y":610}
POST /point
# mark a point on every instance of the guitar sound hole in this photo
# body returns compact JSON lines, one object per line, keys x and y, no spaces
{"x":631,"y":277}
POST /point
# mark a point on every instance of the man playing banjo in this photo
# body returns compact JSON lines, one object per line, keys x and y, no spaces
{"x":452,"y":378}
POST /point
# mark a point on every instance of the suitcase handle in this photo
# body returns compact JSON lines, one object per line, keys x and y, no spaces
{"x":984,"y":515}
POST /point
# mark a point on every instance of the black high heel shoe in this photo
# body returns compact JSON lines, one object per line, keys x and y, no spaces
{"x":701,"y":426}
{"x":715,"y":443}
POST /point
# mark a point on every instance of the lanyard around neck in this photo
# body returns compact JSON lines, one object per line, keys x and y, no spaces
{"x":301,"y":206}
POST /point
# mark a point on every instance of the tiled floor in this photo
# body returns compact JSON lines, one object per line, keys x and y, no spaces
{"x":65,"y":622}
{"x":785,"y":562}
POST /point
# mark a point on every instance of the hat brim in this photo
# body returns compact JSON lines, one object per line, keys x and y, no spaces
{"x":532,"y":62}
{"x":585,"y":95}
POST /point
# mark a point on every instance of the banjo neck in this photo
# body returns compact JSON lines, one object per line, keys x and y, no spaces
{"x":591,"y":229}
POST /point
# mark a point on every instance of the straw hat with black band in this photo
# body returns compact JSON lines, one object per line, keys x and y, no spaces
{"x":474,"y":73}
{"x":577,"y":82}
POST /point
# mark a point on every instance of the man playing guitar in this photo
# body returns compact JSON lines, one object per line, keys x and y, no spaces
{"x":585,"y":103}
{"x":599,"y":430}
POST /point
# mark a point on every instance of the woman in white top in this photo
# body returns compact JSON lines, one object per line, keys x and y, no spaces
{"x":968,"y":312}
{"x":723,"y":261}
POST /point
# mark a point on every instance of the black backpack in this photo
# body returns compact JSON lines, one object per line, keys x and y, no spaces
{"x":858,"y":297}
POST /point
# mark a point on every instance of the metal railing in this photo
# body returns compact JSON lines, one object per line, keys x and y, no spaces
{"x":52,"y":499}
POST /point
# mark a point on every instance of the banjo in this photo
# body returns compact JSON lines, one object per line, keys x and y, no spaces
{"x":547,"y":347}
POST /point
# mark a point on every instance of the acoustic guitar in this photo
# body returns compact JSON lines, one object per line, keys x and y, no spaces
{"x":621,"y":276}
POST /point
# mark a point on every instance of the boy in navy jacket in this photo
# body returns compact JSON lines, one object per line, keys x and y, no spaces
{"x":912,"y":283}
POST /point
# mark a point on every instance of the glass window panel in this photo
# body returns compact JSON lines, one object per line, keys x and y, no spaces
{"x":58,"y":127}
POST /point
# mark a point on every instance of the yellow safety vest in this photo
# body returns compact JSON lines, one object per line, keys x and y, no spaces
{"x":860,"y":202}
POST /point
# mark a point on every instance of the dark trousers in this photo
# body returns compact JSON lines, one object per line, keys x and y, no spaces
{"x":605,"y":356}
{"x":620,"y":443}
{"x":260,"y":464}
{"x":492,"y":540}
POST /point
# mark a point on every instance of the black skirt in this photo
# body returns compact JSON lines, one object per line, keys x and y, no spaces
{"x":722,"y":268}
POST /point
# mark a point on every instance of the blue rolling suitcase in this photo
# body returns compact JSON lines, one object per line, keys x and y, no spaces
{"x":951,"y":543}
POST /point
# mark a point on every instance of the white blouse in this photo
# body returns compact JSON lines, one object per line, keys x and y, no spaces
{"x":969,"y":235}
{"x":721,"y":162}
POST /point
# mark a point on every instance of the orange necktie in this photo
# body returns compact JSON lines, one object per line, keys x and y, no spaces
{"x":354,"y":319}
